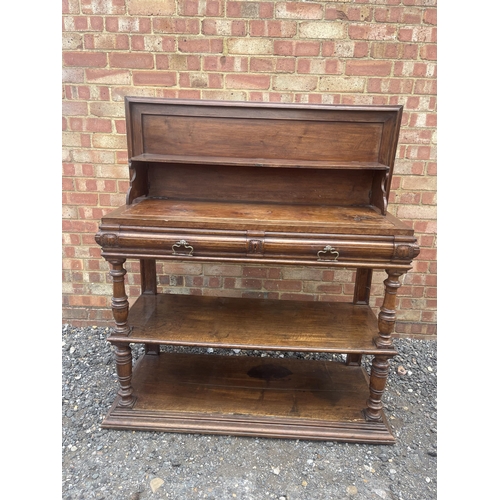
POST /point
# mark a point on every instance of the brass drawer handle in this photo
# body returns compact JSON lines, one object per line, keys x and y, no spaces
{"x":333,"y":254}
{"x":186,"y":247}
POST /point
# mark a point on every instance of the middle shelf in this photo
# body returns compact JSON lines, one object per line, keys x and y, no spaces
{"x":261,"y":324}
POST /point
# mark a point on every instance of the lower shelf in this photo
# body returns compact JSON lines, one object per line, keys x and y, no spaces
{"x":250,"y":396}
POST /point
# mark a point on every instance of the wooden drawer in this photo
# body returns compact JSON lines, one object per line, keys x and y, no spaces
{"x":180,"y":244}
{"x":247,"y":245}
{"x":335,"y":249}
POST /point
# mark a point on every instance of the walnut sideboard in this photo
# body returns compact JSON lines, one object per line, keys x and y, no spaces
{"x":256,"y":183}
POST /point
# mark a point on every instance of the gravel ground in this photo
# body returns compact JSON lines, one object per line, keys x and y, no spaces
{"x":129,"y":465}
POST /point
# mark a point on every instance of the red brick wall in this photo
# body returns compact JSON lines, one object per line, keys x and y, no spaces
{"x":350,"y":52}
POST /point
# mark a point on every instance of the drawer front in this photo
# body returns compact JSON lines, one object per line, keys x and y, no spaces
{"x":247,"y":246}
{"x":328,"y":249}
{"x":177,"y":245}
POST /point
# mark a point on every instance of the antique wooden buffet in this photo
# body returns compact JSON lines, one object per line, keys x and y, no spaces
{"x":256,"y":183}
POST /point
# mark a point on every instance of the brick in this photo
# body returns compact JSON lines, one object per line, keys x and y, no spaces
{"x":368,"y":68}
{"x":100,"y":7}
{"x":225,"y":63}
{"x":372,"y":32}
{"x":419,"y":183}
{"x":275,"y":29}
{"x":109,"y":141}
{"x":151,"y":7}
{"x":170,"y":25}
{"x":340,"y":84}
{"x":86,"y":199}
{"x":390,"y":85}
{"x":71,"y":139}
{"x":283,"y":285}
{"x":289,"y":82}
{"x":96,"y":23}
{"x":70,"y":7}
{"x":330,"y":66}
{"x":203,"y":80}
{"x":97,"y":125}
{"x":285,"y":65}
{"x":88,"y":156}
{"x":321,"y":30}
{"x":222,"y":270}
{"x":223,"y":27}
{"x":430,"y":16}
{"x":74,"y":108}
{"x":429,"y":52}
{"x":72,"y":41}
{"x":308,"y":274}
{"x":425,"y":87}
{"x":412,"y":212}
{"x":118,"y":94}
{"x":131,"y":60}
{"x":200,"y":8}
{"x":156,"y":78}
{"x":107,"y":42}
{"x":243,"y":9}
{"x":242,"y":81}
{"x":298,"y":10}
{"x":265,"y":64}
{"x":224,"y":95}
{"x":249,"y":46}
{"x":296,"y":48}
{"x":73,"y":75}
{"x":87,"y":59}
{"x":317,"y":288}
{"x":200,"y":45}
{"x":128,"y":24}
{"x":107,"y":109}
{"x":417,"y":34}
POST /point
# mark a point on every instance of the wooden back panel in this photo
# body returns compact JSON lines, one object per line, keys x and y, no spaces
{"x":266,"y":185}
{"x":261,"y":138}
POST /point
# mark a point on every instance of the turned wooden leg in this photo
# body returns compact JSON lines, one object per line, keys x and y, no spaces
{"x":387,"y":315}
{"x":119,"y":301}
{"x":378,"y":379}
{"x":361,"y":296}
{"x":123,"y":358}
{"x":380,"y":364}
{"x":123,"y":353}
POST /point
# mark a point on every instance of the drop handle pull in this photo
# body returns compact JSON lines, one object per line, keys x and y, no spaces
{"x":328,"y":253}
{"x":183,"y":248}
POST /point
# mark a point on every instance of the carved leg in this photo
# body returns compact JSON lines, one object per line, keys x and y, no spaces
{"x":123,"y":358}
{"x":387,"y":315}
{"x":148,"y":287}
{"x":361,"y":296}
{"x":380,"y":364}
{"x":119,"y":301}
{"x":123,"y":353}
{"x":378,"y":379}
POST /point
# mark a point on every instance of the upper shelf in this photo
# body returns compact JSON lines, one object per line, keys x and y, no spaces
{"x":172,"y":319}
{"x":259,"y":162}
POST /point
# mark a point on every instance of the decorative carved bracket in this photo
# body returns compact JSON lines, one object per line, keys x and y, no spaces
{"x":106,"y":239}
{"x":406,"y":251}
